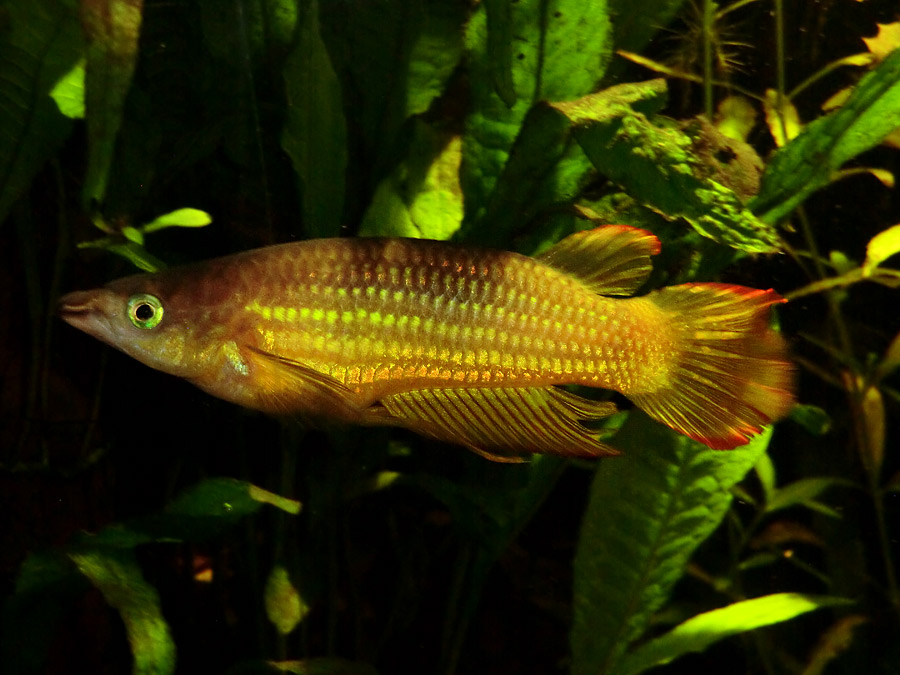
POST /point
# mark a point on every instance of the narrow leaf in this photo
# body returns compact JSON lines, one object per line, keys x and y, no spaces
{"x":703,"y":630}
{"x":802,"y":492}
{"x":118,"y":577}
{"x":810,"y":161}
{"x":648,"y":512}
{"x":178,"y":218}
{"x":68,"y":92}
{"x":881,"y":247}
{"x":315,"y":134}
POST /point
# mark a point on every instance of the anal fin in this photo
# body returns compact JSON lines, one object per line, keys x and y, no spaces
{"x":503,"y":423}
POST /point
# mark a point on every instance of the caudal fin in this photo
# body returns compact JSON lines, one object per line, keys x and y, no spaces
{"x":732,"y":374}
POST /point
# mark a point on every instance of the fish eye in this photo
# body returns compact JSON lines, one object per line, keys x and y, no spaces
{"x":145,"y":311}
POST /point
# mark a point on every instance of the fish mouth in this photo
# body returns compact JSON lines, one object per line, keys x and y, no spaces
{"x":84,"y":310}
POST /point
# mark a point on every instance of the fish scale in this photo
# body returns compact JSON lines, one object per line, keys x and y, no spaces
{"x":461,"y":344}
{"x":441,"y":317}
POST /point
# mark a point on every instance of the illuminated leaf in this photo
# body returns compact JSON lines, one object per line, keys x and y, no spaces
{"x":886,"y":41}
{"x":648,"y":511}
{"x":178,"y":218}
{"x":873,"y":419}
{"x":881,"y":247}
{"x":784,"y":125}
{"x":891,"y":359}
{"x":698,"y":633}
{"x":735,"y":117}
{"x":68,"y":92}
{"x":118,"y":577}
{"x":422,"y":197}
{"x":284,"y":606}
{"x":812,"y":418}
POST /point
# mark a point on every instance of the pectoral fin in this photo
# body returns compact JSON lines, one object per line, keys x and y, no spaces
{"x":288,"y":387}
{"x":503,"y":424}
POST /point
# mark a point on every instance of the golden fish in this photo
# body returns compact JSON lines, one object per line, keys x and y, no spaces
{"x":461,"y":344}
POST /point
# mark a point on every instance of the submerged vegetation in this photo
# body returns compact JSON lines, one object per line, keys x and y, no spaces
{"x":148,"y":526}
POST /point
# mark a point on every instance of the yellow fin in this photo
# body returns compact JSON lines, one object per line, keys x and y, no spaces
{"x":287,"y":387}
{"x":611,"y":260}
{"x":731,"y":375}
{"x":503,"y":424}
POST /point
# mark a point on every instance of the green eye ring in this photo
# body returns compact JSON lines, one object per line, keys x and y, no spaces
{"x":145,"y":311}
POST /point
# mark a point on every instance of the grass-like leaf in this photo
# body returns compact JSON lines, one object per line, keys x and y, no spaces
{"x":703,"y":630}
{"x":648,"y":512}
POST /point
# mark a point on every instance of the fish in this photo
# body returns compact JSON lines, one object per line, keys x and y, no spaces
{"x":461,"y":344}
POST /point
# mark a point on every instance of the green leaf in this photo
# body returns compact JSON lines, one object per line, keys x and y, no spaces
{"x":810,"y":161}
{"x":421,"y":198}
{"x":812,"y":418}
{"x":40,"y":43}
{"x":133,"y":252}
{"x":68,"y":92}
{"x":118,"y":577}
{"x":659,"y":166}
{"x":547,"y":166}
{"x":703,"y":630}
{"x":284,"y":605}
{"x":228,"y":498}
{"x":178,"y":218}
{"x":112,"y":29}
{"x":315,"y":133}
{"x":648,"y":511}
{"x":802,"y":492}
{"x":881,"y":247}
{"x":561,"y":49}
{"x":636,"y":23}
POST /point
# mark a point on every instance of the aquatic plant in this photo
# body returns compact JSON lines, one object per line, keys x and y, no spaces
{"x":501,"y":123}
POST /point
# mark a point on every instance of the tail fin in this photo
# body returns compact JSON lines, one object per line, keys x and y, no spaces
{"x":732,"y":374}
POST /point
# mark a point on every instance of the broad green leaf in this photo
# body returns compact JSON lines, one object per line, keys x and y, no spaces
{"x":765,"y":472}
{"x":698,"y":633}
{"x":393,"y":57}
{"x":118,"y":577}
{"x":68,"y":92}
{"x":648,"y":511}
{"x":560,"y":53}
{"x":257,"y":26}
{"x":881,"y":247}
{"x":40,"y":43}
{"x":547,"y":166}
{"x":421,"y":198}
{"x":637,"y":22}
{"x":112,"y":29}
{"x":315,"y":131}
{"x":178,"y":218}
{"x":500,"y":43}
{"x":659,"y":166}
{"x":802,"y":492}
{"x":284,"y":605}
{"x":810,"y":161}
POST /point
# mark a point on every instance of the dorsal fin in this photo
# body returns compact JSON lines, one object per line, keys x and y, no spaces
{"x":611,"y":260}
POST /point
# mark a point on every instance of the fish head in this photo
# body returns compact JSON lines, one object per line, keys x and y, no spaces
{"x":142,"y":316}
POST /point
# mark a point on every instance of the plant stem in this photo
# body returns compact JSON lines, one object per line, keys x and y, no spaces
{"x":709,"y":17}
